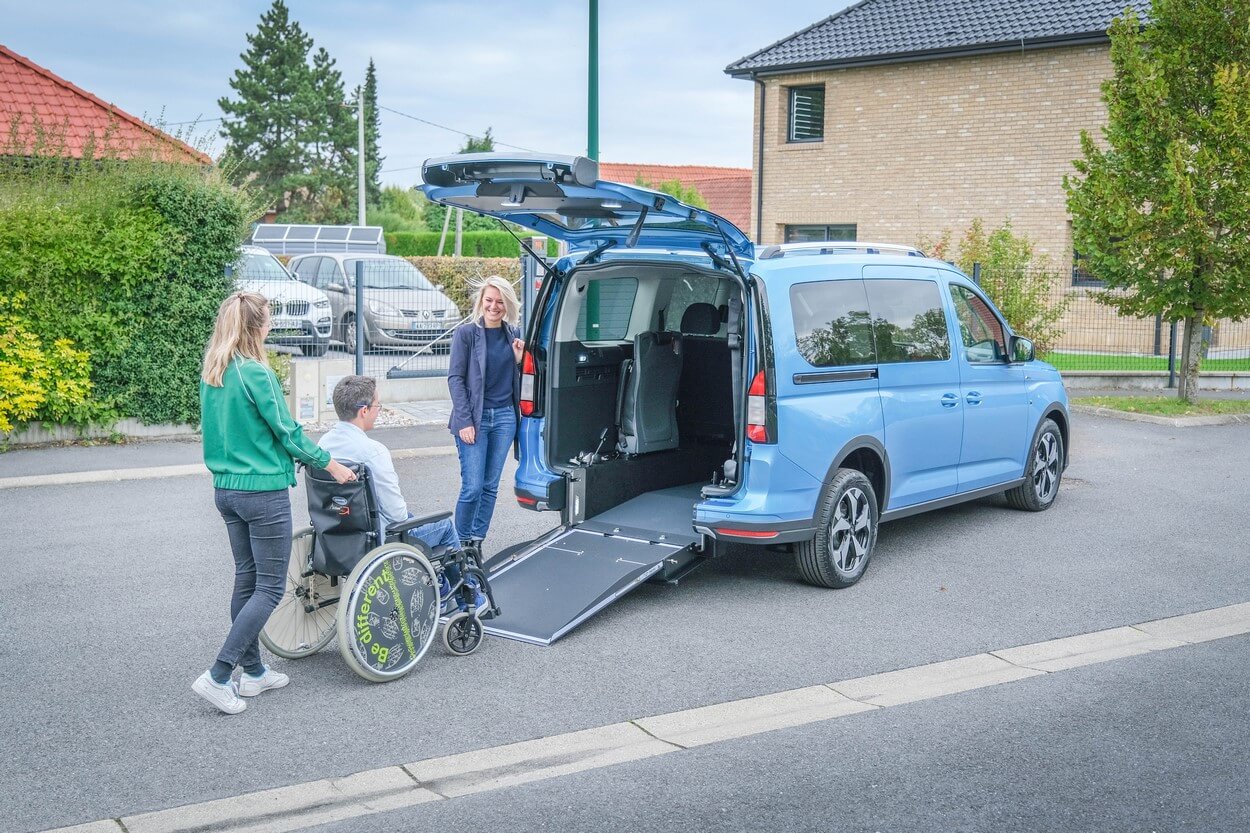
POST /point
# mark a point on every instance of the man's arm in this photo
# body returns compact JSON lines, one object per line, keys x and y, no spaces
{"x":386,"y":484}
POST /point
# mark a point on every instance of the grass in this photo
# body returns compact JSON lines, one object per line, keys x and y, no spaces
{"x":1111,"y":361}
{"x":1166,"y":405}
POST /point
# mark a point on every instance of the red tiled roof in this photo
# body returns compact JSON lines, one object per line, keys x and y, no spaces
{"x":727,"y":190}
{"x":31,"y":95}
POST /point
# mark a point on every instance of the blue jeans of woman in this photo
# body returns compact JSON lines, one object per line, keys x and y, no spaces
{"x":481,"y":463}
{"x":259,"y":526}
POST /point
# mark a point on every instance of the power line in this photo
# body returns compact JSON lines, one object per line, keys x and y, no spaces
{"x":451,"y":129}
{"x":193,"y":121}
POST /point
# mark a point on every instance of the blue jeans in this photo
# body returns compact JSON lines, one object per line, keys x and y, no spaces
{"x":438,"y":534}
{"x":259,"y":526}
{"x":481,"y":463}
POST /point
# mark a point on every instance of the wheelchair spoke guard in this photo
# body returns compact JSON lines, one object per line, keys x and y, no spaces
{"x":388,"y":615}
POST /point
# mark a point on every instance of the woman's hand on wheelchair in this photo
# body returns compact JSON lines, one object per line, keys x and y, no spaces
{"x":340,"y":472}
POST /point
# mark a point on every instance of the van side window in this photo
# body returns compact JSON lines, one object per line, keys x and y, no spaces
{"x":908,"y":321}
{"x":607,"y":305}
{"x":980,"y":328}
{"x":687,"y":290}
{"x":831,"y":323}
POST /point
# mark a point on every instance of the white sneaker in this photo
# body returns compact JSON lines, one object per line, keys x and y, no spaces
{"x":223,"y":697}
{"x":250,"y":686}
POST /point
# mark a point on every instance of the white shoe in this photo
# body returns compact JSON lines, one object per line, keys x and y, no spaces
{"x":224,"y":697}
{"x":250,"y":686}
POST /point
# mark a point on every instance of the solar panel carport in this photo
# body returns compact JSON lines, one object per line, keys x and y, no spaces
{"x":283,"y":239}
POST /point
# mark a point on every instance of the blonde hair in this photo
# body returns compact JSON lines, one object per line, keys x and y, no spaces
{"x":239,"y":331}
{"x":511,"y":306}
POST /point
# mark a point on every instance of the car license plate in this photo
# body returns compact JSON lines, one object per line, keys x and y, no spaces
{"x":422,"y":325}
{"x":284,"y":323}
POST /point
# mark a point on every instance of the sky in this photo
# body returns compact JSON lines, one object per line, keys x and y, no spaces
{"x":519,"y":68}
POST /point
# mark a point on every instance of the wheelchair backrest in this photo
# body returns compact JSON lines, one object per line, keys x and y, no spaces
{"x":345,"y":518}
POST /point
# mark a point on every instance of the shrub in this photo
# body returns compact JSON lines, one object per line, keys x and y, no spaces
{"x":36,"y":382}
{"x":456,"y":274}
{"x":473,"y":244}
{"x":126,"y":261}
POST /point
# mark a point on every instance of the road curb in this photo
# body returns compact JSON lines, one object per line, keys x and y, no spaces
{"x":1171,"y":422}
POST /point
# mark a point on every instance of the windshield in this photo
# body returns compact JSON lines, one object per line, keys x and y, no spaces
{"x":261,"y":268}
{"x":388,"y":274}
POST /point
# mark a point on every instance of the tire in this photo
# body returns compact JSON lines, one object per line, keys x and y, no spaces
{"x":351,"y":331}
{"x":317,"y":349}
{"x":846,"y":535}
{"x":1042,"y":473}
{"x":463,"y":634}
{"x":294,"y":631}
{"x":384,"y":633}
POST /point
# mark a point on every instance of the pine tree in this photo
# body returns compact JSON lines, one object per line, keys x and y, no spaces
{"x":1162,"y":212}
{"x":373,"y":156}
{"x":263,"y":128}
{"x":328,"y":193}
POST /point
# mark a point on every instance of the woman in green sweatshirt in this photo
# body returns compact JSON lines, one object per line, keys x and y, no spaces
{"x":250,"y":442}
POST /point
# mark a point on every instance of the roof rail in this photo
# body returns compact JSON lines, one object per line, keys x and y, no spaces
{"x":839,"y":247}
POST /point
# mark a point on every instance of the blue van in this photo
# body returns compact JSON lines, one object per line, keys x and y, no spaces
{"x":683,"y":389}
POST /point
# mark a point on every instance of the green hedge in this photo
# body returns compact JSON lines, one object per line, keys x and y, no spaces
{"x":474,"y":244}
{"x":457,"y":274}
{"x":126,"y":262}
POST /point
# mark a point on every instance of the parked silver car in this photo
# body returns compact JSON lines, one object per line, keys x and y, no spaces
{"x":402,"y":307}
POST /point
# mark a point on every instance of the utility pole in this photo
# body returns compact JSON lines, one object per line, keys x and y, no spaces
{"x":592,"y":102}
{"x":360,"y":160}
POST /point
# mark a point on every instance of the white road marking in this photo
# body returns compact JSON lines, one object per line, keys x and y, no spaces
{"x":300,"y":806}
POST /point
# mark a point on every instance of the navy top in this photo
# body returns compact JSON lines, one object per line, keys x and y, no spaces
{"x":500,"y":365}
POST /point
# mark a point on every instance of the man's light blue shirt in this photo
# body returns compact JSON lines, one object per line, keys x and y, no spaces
{"x":347,"y":442}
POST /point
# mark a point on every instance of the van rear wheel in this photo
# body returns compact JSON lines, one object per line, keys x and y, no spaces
{"x":846,"y":534}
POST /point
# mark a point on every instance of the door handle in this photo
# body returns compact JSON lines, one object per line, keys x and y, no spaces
{"x":973,"y":397}
{"x":949,"y":400}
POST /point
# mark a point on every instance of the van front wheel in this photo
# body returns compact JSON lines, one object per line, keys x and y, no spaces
{"x":846,"y":535}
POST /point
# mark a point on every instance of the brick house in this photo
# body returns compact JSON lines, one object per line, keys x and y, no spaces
{"x":40,"y":112}
{"x":895,"y":119}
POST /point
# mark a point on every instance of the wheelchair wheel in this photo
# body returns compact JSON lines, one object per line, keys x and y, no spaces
{"x":389,"y":612}
{"x":302,"y":623}
{"x":463,"y":634}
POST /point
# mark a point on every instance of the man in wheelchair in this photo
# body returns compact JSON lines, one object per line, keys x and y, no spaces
{"x":357,"y":406}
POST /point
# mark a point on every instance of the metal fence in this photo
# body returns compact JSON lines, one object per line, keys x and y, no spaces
{"x":1093,"y":335}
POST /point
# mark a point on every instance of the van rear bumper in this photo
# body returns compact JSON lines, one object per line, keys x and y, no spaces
{"x":777,"y":532}
{"x":540,"y":500}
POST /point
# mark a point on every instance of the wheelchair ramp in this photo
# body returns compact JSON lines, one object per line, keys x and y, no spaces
{"x":562,"y":579}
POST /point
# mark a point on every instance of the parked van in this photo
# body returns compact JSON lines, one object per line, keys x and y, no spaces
{"x":683,"y":388}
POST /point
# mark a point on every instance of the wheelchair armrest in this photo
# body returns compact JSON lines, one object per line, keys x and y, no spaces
{"x":413,"y":523}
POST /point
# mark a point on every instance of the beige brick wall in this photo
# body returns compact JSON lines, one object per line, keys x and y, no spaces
{"x":913,"y":149}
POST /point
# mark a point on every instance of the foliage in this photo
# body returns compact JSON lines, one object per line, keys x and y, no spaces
{"x":494,"y":243}
{"x":280,"y":364}
{"x":456,"y":274}
{"x":1019,"y":281}
{"x":435,"y":214}
{"x":674,"y":188}
{"x":1170,"y":406}
{"x":397,"y":210}
{"x":37,"y":381}
{"x":1162,"y":210}
{"x":124,"y":261}
{"x":289,"y":133}
{"x":373,"y":133}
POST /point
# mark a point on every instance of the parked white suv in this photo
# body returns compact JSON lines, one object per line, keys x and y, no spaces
{"x":300,"y":313}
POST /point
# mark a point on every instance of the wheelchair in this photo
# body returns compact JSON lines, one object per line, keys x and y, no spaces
{"x":382,"y":599}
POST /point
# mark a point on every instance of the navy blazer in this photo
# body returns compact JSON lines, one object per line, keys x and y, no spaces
{"x":466,"y":375}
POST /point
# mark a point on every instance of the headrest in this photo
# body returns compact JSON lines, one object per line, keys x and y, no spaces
{"x":700,"y":319}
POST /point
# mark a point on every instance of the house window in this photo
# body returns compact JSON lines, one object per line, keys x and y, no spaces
{"x":807,"y":114}
{"x":841,"y":232}
{"x":1080,"y":271}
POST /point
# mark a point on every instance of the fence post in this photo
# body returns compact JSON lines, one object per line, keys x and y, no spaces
{"x":360,"y":317}
{"x":976,"y":274}
{"x":1158,"y":334}
{"x":1172,"y":355}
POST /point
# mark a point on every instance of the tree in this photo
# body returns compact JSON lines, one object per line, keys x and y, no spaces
{"x":398,"y":210}
{"x":1162,"y":212}
{"x":674,"y":188}
{"x":326,"y":191}
{"x":373,"y":155}
{"x":264,"y":127}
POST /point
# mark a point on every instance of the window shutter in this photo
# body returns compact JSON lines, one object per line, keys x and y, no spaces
{"x":807,"y":114}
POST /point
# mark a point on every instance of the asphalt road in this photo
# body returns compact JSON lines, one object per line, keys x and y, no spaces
{"x":118,"y":598}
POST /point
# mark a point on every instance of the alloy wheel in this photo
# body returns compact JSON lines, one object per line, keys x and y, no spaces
{"x":851,"y":530}
{"x":1046,"y":467}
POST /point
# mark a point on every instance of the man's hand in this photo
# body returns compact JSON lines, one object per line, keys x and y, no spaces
{"x":340,"y":472}
{"x":467,"y":434}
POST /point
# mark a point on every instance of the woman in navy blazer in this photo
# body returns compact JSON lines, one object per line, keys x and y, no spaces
{"x":484,"y":378}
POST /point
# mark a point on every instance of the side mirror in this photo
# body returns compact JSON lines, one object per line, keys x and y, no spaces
{"x":336,"y":287}
{"x":1021,"y":350}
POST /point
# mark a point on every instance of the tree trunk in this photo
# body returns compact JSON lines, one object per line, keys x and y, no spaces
{"x":1191,"y":357}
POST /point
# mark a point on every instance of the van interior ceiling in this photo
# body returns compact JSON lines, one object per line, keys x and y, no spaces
{"x":640,"y":385}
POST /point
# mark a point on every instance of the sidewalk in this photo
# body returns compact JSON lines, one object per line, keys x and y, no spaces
{"x":400,"y":425}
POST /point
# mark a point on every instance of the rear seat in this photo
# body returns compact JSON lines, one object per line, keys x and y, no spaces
{"x":704,"y":393}
{"x":647,"y":414}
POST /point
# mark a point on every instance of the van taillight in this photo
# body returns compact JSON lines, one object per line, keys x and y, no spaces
{"x":528,"y":372}
{"x":757,"y":410}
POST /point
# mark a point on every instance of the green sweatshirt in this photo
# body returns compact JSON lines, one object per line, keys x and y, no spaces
{"x":249,"y":434}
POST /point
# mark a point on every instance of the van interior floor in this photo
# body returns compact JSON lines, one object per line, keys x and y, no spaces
{"x":562,"y":579}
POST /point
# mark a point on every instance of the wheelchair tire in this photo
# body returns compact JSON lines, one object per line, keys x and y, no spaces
{"x":388,"y":615}
{"x":293,"y":631}
{"x":462,"y":635}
